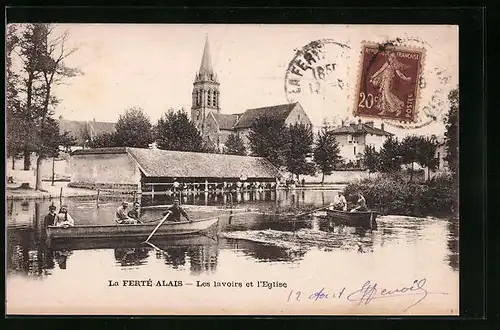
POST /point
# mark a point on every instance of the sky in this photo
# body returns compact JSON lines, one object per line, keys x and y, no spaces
{"x":153,"y":66}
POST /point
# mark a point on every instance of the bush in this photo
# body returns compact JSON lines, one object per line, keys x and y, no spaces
{"x":392,"y":193}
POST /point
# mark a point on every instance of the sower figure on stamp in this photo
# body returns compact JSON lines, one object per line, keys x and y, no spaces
{"x":175,"y":211}
{"x":384,"y":78}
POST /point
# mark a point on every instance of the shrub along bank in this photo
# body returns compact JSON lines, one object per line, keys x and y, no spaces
{"x":394,"y":194}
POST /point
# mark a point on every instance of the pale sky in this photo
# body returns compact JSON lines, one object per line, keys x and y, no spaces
{"x":153,"y":66}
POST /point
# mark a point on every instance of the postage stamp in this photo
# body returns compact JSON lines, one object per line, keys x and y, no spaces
{"x":388,"y":82}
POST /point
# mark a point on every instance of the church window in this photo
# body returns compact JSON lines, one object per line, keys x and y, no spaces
{"x":209,"y":98}
{"x":214,"y":101}
{"x":198,"y":115}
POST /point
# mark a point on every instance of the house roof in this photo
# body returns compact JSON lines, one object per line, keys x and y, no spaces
{"x":225,"y":121}
{"x":77,"y":129}
{"x":280,"y":112}
{"x":364,"y":129}
{"x":167,"y":163}
{"x":100,"y":151}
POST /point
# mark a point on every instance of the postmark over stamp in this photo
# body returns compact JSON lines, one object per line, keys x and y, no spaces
{"x":388,"y":82}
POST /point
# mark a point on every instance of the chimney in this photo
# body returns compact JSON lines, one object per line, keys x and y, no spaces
{"x":382,"y":126}
{"x":94,"y":119}
{"x":342,"y":123}
{"x":370,"y":123}
{"x":60,"y":117}
{"x":360,"y":126}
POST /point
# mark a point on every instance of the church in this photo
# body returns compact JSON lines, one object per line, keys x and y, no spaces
{"x":215,"y":126}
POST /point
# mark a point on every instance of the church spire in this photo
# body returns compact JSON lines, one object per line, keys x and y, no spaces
{"x":206,"y":61}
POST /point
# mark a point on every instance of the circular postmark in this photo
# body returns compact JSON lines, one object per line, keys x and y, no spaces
{"x":317,"y":75}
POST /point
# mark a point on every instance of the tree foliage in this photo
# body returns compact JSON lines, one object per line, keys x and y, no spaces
{"x":326,"y":152}
{"x":390,"y":159}
{"x":268,"y":138}
{"x":104,"y":140}
{"x":134,"y":129}
{"x":235,"y":145}
{"x":300,"y":146}
{"x":174,"y":131}
{"x":451,"y":134}
{"x":371,"y":159}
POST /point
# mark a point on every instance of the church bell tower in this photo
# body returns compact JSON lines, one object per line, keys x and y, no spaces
{"x":205,"y":91}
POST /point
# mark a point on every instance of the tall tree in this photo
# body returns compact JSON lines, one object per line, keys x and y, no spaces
{"x":134,"y":129}
{"x":426,"y":155}
{"x":268,"y":138}
{"x":174,"y":131}
{"x":300,"y":146}
{"x":371,"y":159}
{"x":326,"y":152}
{"x":451,"y":134}
{"x":390,"y":159}
{"x":409,"y":148}
{"x":235,"y":145}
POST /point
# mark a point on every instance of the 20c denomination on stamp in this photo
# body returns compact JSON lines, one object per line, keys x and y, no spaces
{"x":388,"y":82}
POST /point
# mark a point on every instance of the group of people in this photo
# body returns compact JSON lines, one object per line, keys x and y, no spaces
{"x":59,"y":219}
{"x":340,"y":203}
{"x":124,"y":217}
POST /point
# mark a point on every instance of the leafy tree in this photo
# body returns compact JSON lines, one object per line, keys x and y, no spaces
{"x":235,"y":145}
{"x":300,"y":146}
{"x":268,"y":138}
{"x":451,"y":134}
{"x":409,"y":148}
{"x":426,"y":156}
{"x":371,"y":159}
{"x":326,"y":152}
{"x":104,"y":140}
{"x":390,"y":159}
{"x":134,"y":129}
{"x":420,"y":150}
{"x":174,"y":131}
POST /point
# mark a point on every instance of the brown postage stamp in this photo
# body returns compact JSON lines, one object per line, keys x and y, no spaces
{"x":388,"y":86}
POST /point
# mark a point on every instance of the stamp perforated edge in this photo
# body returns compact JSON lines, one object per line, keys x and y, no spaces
{"x":393,"y":122}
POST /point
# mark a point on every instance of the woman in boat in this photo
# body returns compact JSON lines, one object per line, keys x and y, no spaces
{"x":361,"y":204}
{"x":63,"y":219}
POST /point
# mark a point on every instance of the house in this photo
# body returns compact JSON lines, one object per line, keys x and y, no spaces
{"x":155,"y":169}
{"x":82,"y":131}
{"x":215,"y":126}
{"x":355,"y":137}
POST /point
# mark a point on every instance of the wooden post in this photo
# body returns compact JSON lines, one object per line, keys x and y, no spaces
{"x":53,"y":169}
{"x":97,"y":200}
{"x":135,"y":195}
{"x":60,"y":197}
{"x":206,"y":185}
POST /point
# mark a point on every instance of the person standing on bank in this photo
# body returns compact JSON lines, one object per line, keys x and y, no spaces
{"x":361,"y":204}
{"x":121,"y":216}
{"x":51,"y":217}
{"x":64,"y":219}
{"x":175,"y":211}
{"x":134,"y":213}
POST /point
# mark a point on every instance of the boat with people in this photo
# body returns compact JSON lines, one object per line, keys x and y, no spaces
{"x":137,"y":231}
{"x":366,"y":219}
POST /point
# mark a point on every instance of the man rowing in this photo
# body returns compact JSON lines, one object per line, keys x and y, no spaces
{"x":175,"y":211}
{"x":339,"y":203}
{"x":134,"y":213}
{"x":121,"y":216}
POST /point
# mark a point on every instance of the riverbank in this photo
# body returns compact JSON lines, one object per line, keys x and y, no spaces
{"x":13,"y":192}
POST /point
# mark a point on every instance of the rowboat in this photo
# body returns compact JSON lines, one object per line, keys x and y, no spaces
{"x":138,"y":231}
{"x":356,"y":219}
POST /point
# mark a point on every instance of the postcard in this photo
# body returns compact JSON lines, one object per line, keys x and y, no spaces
{"x":240,"y":169}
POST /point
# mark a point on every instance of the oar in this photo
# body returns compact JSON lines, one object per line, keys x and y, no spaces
{"x":312,"y":211}
{"x":158,"y":226}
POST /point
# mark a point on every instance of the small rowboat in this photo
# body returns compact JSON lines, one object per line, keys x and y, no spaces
{"x":139,"y":231}
{"x":355,"y":219}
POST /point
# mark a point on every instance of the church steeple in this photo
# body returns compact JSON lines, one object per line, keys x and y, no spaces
{"x":205,"y":90}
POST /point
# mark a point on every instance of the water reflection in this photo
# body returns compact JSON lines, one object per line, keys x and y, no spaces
{"x":264,"y":252}
{"x":131,"y":256}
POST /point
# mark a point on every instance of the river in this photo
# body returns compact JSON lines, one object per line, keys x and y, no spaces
{"x":309,"y":256}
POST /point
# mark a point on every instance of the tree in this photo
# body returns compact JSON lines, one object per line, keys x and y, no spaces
{"x":451,"y":134}
{"x":300,"y":146}
{"x":268,"y":138}
{"x":420,"y":150}
{"x":235,"y":145}
{"x":426,"y":155}
{"x":326,"y":152}
{"x":134,"y":129}
{"x":390,"y":159}
{"x":104,"y":140}
{"x":409,"y":151}
{"x":174,"y":131}
{"x":371,"y":159}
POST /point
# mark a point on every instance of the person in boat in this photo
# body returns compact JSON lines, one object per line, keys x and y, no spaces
{"x":340,"y":203}
{"x":63,"y":218}
{"x":175,"y":211}
{"x":50,"y":218}
{"x":361,"y":204}
{"x":122,"y":217}
{"x":134,"y":213}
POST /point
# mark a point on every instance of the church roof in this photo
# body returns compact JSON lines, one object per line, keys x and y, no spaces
{"x":226,"y":121}
{"x":79,"y":129}
{"x":281,"y":112}
{"x":364,"y":128}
